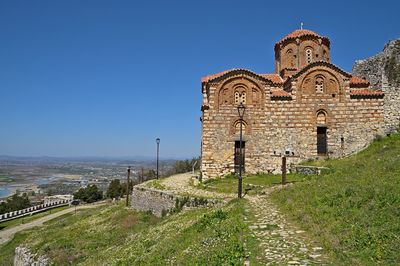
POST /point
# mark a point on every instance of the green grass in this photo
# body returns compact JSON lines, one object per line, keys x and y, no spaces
{"x":354,"y":210}
{"x":29,"y":218}
{"x":7,"y":250}
{"x":155,"y":183}
{"x":113,"y":235}
{"x":257,"y":182}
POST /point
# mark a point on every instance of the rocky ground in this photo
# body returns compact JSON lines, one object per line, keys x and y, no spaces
{"x":281,"y":242}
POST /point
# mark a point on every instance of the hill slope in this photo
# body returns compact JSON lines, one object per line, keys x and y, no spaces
{"x":354,"y":211}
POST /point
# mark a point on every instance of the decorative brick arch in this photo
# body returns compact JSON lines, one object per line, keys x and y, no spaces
{"x":321,"y":110}
{"x":331,"y":83}
{"x":253,"y":94}
{"x":322,"y":117}
{"x":234,"y":129}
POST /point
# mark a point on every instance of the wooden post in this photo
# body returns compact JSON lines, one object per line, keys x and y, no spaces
{"x":283,"y":170}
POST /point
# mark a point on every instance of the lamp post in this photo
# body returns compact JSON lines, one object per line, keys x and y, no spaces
{"x":241,"y":108}
{"x":127,"y":185}
{"x":158,"y":152}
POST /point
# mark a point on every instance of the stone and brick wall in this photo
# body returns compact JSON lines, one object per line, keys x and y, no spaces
{"x":283,"y":113}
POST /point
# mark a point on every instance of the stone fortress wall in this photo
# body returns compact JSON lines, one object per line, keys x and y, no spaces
{"x":161,"y":202}
{"x":383,"y":71}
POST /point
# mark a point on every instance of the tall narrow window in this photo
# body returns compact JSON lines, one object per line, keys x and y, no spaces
{"x":319,"y":84}
{"x":290,"y":58}
{"x":309,"y":55}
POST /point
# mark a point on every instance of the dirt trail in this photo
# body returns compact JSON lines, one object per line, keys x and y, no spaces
{"x":8,"y":234}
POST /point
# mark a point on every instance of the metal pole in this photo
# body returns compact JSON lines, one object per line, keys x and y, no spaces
{"x":284,"y":170}
{"x":240,"y":163}
{"x":158,"y":151}
{"x":127,"y":186}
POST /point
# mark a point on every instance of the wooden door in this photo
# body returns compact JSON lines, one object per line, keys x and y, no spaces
{"x":321,"y":141}
{"x":239,"y":159}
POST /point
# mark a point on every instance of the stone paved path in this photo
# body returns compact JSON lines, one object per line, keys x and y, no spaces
{"x":281,"y":242}
{"x":8,"y":234}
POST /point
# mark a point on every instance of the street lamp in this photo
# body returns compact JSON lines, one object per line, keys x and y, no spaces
{"x":158,"y":152}
{"x":127,"y":185}
{"x":241,"y":108}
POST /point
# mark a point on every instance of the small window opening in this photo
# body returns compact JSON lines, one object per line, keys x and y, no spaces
{"x":319,"y":85}
{"x":240,"y":97}
{"x":309,"y":55}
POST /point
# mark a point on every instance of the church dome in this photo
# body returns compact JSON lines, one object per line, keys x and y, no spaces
{"x":300,"y":33}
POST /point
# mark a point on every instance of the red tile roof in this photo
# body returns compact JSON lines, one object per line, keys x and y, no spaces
{"x":358,"y":82}
{"x":280,"y":94}
{"x":274,"y":78}
{"x":298,"y":33}
{"x":366,"y":92}
{"x":212,"y":76}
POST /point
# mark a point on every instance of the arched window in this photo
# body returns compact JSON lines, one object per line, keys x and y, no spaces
{"x":321,"y":118}
{"x":319,"y":84}
{"x":290,"y":58}
{"x":309,"y":55}
{"x":237,"y":127}
{"x":240,"y":96}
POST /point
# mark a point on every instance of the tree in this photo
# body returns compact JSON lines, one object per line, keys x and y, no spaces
{"x":114,"y":189}
{"x":131,"y":184}
{"x":15,"y":203}
{"x":89,"y":194}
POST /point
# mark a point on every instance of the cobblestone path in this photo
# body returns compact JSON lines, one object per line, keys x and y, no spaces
{"x":281,"y":242}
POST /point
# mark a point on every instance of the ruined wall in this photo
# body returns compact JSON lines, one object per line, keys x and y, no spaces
{"x":159,"y":201}
{"x":383,"y":71}
{"x":145,"y":199}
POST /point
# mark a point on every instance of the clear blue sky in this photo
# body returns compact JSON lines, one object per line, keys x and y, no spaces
{"x":105,"y":78}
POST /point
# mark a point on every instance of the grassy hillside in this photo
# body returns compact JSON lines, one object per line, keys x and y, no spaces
{"x":113,"y":235}
{"x":354,"y":211}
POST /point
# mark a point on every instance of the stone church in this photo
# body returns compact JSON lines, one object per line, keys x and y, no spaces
{"x":309,"y":108}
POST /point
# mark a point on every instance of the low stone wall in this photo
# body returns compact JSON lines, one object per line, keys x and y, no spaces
{"x":24,"y":257}
{"x":161,"y":202}
{"x":308,"y":170}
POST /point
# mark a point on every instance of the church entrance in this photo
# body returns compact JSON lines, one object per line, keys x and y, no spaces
{"x":321,"y":141}
{"x":239,"y":159}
